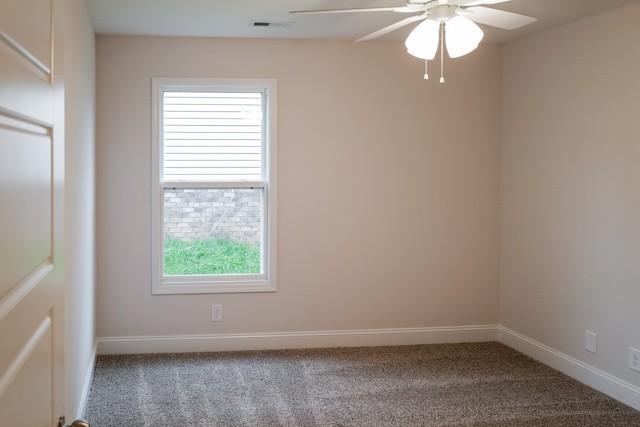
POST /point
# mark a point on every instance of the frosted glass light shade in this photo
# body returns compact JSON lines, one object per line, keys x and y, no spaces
{"x":462,"y":36}
{"x":423,"y":40}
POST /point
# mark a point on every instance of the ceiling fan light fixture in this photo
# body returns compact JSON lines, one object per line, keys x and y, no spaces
{"x":450,"y":21}
{"x":462,"y":36}
{"x":423,"y":40}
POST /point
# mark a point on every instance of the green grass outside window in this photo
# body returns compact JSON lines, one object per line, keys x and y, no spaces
{"x":210,"y":257}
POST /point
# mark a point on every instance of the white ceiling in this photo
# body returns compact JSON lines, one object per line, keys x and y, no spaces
{"x":232,"y":18}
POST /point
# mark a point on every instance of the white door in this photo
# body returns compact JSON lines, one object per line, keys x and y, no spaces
{"x":31,"y":191}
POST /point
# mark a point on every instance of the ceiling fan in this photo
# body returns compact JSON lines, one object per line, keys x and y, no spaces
{"x":450,"y":22}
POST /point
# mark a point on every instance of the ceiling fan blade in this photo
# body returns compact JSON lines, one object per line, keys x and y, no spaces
{"x":330,"y":11}
{"x":466,"y":3}
{"x":392,"y":27}
{"x":498,"y":18}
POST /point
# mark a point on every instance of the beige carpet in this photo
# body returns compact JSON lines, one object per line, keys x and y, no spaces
{"x":483,"y":384}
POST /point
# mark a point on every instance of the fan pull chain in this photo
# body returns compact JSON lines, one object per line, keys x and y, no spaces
{"x":426,"y":69}
{"x":442,"y":52}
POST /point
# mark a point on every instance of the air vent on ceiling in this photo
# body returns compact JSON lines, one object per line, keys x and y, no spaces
{"x":267,"y":24}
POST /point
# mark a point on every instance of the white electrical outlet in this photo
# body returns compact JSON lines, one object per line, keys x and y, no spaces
{"x":591,"y":341}
{"x":634,"y":359}
{"x":216,"y":313}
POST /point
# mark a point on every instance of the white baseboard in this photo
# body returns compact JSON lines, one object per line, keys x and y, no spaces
{"x":86,"y":387}
{"x":291,"y":340}
{"x":608,"y":384}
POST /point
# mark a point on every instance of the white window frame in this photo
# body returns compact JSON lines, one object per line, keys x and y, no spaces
{"x":204,"y":284}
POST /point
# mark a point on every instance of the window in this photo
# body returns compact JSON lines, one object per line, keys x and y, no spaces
{"x":213,"y":186}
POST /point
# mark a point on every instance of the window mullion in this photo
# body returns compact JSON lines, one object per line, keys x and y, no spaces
{"x":213,"y":184}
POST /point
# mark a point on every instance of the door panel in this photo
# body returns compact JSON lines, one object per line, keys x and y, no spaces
{"x":28,"y":24}
{"x":30,"y":380}
{"x":25,"y":89}
{"x":19,"y":324}
{"x":25,"y":189}
{"x":31,"y":201}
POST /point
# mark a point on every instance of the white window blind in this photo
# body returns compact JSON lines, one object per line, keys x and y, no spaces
{"x":212,"y":136}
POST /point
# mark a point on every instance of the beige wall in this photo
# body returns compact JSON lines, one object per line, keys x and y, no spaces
{"x":387,"y":187}
{"x":570,"y":182}
{"x":79,"y":57}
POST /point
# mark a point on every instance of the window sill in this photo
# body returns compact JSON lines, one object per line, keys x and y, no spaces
{"x":186,"y":288}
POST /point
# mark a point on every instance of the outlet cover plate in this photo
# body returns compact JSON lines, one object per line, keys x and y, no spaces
{"x":216,"y":313}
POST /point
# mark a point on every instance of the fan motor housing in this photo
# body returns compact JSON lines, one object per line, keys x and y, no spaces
{"x":443,"y":12}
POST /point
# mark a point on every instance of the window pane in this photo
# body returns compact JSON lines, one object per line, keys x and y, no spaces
{"x":212,"y":231}
{"x":212,"y":136}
